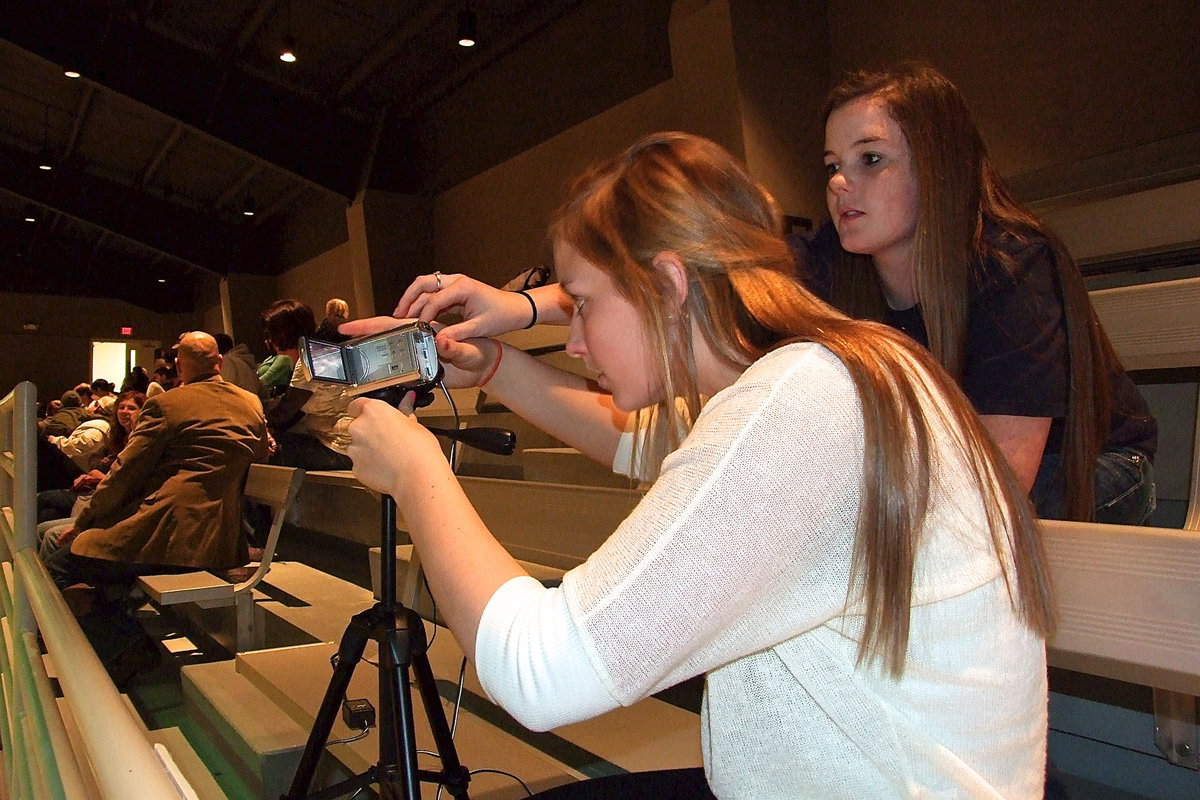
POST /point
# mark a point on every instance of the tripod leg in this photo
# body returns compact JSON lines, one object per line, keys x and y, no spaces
{"x":397,"y":731}
{"x":455,"y":776}
{"x":350,"y":651}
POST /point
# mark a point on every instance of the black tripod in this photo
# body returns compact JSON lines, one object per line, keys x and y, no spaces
{"x":400,"y":635}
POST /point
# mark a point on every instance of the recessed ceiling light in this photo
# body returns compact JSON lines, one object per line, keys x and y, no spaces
{"x":70,"y":73}
{"x":288,"y":54}
{"x":466,"y":28}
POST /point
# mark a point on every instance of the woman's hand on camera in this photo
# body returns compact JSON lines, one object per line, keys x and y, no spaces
{"x":486,"y":310}
{"x":387,"y":443}
{"x":467,"y":363}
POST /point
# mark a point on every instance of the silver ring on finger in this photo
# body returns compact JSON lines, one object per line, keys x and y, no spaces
{"x":437,"y":276}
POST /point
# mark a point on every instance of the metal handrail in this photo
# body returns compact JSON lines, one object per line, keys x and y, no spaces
{"x":38,"y":753}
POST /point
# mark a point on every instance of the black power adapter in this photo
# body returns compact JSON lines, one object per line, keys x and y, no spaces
{"x":358,"y":714}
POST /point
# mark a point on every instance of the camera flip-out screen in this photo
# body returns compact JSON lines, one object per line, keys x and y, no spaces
{"x":327,"y":361}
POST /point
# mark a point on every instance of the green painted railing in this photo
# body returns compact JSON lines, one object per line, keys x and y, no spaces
{"x":109,"y":755}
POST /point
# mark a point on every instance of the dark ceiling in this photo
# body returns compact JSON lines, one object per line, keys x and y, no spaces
{"x":184,"y":114}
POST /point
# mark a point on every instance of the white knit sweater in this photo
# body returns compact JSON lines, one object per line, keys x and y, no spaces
{"x":737,"y":563}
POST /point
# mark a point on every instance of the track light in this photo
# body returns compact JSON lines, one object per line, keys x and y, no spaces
{"x":249,"y":208}
{"x":466,"y":28}
{"x":288,"y":54}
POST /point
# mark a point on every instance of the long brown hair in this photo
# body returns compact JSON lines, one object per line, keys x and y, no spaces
{"x":683,"y":194}
{"x":959,"y":191}
{"x":117,"y":435}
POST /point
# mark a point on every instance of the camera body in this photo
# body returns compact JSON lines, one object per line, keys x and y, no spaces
{"x":404,"y":357}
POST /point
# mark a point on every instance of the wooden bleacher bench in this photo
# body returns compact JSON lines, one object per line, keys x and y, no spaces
{"x":276,"y":487}
{"x":1129,"y":596}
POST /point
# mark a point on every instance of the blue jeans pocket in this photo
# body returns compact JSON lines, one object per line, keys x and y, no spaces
{"x":1124,"y":487}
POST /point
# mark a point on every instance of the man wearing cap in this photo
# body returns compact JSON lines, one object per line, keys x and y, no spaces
{"x":172,"y":501}
{"x":68,"y":417}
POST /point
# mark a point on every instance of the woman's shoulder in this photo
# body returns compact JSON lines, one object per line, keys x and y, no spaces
{"x":1015,"y":251}
{"x":796,"y":370}
{"x":1014,"y":260}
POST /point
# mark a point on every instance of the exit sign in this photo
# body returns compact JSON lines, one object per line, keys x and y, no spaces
{"x":126,"y":331}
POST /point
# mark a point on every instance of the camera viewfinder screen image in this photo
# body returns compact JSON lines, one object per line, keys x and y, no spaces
{"x":386,"y":357}
{"x":327,"y":364}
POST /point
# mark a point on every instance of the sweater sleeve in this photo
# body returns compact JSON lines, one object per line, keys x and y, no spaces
{"x":531,"y":661}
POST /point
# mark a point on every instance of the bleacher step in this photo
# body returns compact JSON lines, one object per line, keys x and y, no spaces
{"x":262,"y":741}
{"x":297,"y":678}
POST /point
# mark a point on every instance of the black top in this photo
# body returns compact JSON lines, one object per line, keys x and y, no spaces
{"x":1016,"y":360}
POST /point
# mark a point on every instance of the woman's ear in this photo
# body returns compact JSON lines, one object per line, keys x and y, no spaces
{"x":674,"y":274}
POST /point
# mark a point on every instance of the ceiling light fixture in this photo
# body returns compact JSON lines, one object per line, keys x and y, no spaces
{"x":288,"y":55}
{"x":45,"y":162}
{"x":30,"y":212}
{"x":71,"y":73}
{"x":249,"y":208}
{"x":466,"y":28}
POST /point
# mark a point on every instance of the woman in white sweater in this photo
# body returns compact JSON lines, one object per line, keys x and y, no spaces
{"x":833,"y":540}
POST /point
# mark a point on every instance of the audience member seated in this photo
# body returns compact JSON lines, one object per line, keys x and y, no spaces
{"x":68,"y":417}
{"x":103,"y":397}
{"x":337,"y":311}
{"x":84,"y":390}
{"x":55,"y":469}
{"x":171,"y":503}
{"x":57,"y":504}
{"x":165,"y":378}
{"x":309,"y":420}
{"x":136,"y":381}
{"x":239,"y":367}
{"x":281,"y":329}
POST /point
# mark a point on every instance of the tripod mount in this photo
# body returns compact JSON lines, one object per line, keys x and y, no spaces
{"x":400,"y":635}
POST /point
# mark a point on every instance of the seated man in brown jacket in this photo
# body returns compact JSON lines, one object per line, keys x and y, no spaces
{"x":172,"y":501}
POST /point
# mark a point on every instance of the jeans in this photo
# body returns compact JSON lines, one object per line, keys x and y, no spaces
{"x":1123,"y":487}
{"x":55,"y":504}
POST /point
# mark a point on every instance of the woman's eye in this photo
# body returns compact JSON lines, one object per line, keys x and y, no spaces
{"x":870,"y":159}
{"x":831,"y":169}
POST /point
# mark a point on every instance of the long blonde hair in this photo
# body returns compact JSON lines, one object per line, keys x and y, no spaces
{"x":680,"y":193}
{"x":959,"y":191}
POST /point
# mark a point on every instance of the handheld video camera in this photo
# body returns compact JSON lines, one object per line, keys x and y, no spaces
{"x":404,"y":357}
